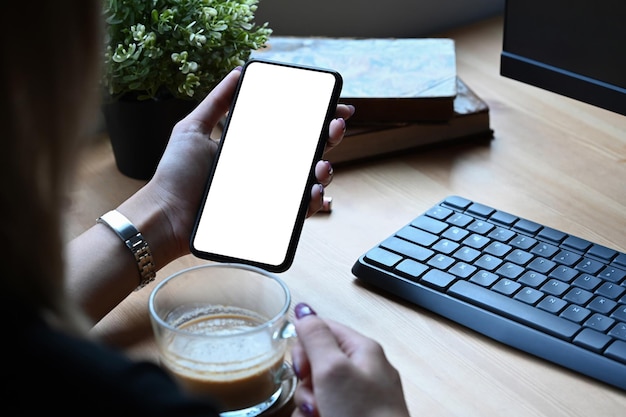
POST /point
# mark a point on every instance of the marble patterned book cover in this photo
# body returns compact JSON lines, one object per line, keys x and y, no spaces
{"x":387,"y":79}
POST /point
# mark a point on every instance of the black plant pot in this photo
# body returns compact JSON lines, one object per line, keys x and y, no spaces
{"x":139,"y":131}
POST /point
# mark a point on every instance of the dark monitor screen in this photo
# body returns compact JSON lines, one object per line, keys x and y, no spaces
{"x":576,"y":48}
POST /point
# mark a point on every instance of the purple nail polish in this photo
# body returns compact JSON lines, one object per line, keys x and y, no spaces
{"x":307,"y":409}
{"x":303,"y":310}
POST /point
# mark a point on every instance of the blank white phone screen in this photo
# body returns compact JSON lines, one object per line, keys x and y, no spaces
{"x":264,"y":165}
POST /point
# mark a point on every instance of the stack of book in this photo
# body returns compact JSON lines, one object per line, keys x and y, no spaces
{"x":406,"y":92}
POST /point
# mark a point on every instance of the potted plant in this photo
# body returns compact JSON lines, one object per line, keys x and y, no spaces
{"x":165,"y":56}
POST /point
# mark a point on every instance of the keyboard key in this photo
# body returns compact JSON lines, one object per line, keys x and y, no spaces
{"x":383,"y":257}
{"x":480,"y":210}
{"x":532,"y":279}
{"x":620,"y":260}
{"x":506,"y":286}
{"x":620,"y":313}
{"x":455,"y":233}
{"x":575,"y":313}
{"x":510,"y":270}
{"x":411,"y":268}
{"x":618,"y":331}
{"x":417,"y":236}
{"x":488,"y":262}
{"x":599,"y":322}
{"x":484,"y":278}
{"x":593,"y":340}
{"x":587,"y":282}
{"x":617,"y":351}
{"x":480,"y":227}
{"x":503,"y":218}
{"x":613,"y":274}
{"x":563,"y":273}
{"x":523,"y":242}
{"x":552,"y":304}
{"x":462,"y":270}
{"x":553,"y":235}
{"x":498,"y":249}
{"x":529,"y":295}
{"x":440,"y":262}
{"x":601,"y":252}
{"x":437,"y":279}
{"x":527,"y":226}
{"x":445,"y":246}
{"x":519,"y":257}
{"x":476,"y":241}
{"x":429,"y":224}
{"x":503,"y":235}
{"x":439,"y":212}
{"x":576,"y":243}
{"x":602,"y":305}
{"x":566,"y":257}
{"x":544,"y":249}
{"x":407,"y":249}
{"x":578,"y":296}
{"x":589,"y":266}
{"x":555,"y":287}
{"x":457,"y":202}
{"x":610,"y":290}
{"x":542,"y":265}
{"x":460,"y":219}
{"x":466,"y":254}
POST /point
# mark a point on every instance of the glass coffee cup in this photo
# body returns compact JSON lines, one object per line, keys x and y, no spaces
{"x":222,"y":331}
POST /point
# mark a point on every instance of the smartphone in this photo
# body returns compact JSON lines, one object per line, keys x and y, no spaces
{"x":258,"y":190}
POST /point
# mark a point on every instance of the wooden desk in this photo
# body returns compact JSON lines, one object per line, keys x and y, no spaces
{"x":553,"y":160}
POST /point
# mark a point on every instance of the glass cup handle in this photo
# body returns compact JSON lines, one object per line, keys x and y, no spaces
{"x":287,"y":331}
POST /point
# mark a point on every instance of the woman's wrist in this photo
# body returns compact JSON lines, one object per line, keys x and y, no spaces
{"x":147,"y":212}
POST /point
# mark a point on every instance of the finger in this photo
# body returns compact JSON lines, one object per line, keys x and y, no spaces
{"x":345,"y":111}
{"x":317,"y":338}
{"x":304,"y":399}
{"x":337,"y":129}
{"x":216,"y":103}
{"x":324,"y":172}
{"x":300,"y":361}
{"x":317,"y":200}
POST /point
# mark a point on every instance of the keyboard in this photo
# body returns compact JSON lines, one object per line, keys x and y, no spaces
{"x":532,"y":287}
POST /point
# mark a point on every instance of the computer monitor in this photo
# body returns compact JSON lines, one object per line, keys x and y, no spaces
{"x":576,"y":48}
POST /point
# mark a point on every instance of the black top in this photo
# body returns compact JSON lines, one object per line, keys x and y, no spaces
{"x":47,"y":370}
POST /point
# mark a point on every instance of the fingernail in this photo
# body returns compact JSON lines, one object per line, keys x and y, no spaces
{"x":331,"y":170}
{"x":343,"y":123}
{"x":327,"y":205}
{"x":238,"y":68}
{"x":302,"y":310}
{"x":352,"y":109}
{"x":307,"y":409}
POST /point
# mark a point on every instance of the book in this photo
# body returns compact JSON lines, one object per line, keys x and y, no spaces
{"x":470,"y":123}
{"x":388,"y":79}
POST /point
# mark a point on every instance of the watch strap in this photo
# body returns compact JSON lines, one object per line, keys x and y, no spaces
{"x":135,"y":241}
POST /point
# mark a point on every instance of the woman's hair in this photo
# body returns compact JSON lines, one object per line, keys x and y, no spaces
{"x":51,"y":55}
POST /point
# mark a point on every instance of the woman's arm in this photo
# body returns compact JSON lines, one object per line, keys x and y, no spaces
{"x":101,"y":271}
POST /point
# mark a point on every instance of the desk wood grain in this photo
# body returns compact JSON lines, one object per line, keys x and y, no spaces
{"x":553,"y":160}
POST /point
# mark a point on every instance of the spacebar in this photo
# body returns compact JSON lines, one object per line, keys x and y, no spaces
{"x":513,"y":309}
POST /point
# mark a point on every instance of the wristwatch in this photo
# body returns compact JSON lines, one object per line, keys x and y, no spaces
{"x":135,"y":241}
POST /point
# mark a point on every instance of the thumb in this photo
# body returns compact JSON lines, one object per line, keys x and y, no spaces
{"x":315,"y":336}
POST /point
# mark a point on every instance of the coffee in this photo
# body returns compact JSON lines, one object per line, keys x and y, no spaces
{"x":222,"y":331}
{"x":238,"y":372}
